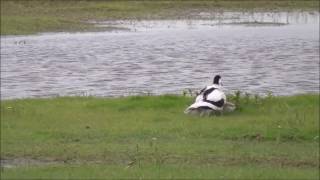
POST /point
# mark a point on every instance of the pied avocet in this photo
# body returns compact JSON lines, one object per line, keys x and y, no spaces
{"x":210,"y":100}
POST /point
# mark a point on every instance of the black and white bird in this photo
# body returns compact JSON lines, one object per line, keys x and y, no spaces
{"x":211,"y":99}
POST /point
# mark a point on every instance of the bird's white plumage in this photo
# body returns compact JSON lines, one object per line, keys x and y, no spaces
{"x":216,"y":95}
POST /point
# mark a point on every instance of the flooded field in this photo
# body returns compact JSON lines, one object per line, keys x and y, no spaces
{"x":256,"y":53}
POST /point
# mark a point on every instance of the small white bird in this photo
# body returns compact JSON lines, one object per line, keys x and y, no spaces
{"x":210,"y":100}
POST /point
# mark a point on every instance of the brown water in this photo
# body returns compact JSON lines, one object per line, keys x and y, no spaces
{"x":256,"y":53}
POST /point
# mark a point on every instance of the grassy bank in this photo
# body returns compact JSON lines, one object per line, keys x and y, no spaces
{"x":32,"y":16}
{"x":150,"y":137}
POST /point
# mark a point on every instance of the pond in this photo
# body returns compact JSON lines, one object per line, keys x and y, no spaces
{"x":253,"y":52}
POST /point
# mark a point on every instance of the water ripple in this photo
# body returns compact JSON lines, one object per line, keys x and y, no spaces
{"x":281,"y":59}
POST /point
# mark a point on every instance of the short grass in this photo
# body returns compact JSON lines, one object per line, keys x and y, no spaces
{"x":33,"y":16}
{"x":150,"y":137}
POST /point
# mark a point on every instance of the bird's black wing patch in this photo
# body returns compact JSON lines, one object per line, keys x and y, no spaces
{"x":219,"y":103}
{"x":207,"y":92}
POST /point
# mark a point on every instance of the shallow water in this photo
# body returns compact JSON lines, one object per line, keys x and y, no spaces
{"x":256,"y":55}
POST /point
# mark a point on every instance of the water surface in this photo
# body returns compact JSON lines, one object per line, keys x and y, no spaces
{"x":255,"y":53}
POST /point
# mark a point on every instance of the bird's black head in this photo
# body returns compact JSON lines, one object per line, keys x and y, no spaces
{"x":217,"y":80}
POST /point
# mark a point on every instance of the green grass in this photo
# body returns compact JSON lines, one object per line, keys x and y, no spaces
{"x":33,"y":16}
{"x":166,"y":172}
{"x":150,"y":137}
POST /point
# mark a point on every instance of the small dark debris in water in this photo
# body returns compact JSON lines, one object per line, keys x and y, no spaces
{"x":20,"y":42}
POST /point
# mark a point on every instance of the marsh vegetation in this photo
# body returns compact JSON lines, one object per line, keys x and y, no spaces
{"x":150,"y":137}
{"x":29,"y":17}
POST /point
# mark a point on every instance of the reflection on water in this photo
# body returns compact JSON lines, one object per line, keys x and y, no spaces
{"x":218,"y":18}
{"x":167,"y":57}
